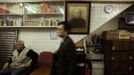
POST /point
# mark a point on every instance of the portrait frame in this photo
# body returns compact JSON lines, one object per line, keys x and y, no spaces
{"x":79,"y":26}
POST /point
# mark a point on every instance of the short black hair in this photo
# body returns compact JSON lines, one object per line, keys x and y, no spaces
{"x":67,"y":26}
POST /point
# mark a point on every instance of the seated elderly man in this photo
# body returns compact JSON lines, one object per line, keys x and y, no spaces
{"x":23,"y":59}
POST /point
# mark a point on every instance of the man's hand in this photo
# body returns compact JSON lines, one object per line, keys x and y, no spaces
{"x":29,"y":63}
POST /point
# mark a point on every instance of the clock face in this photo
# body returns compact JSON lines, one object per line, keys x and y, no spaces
{"x":108,"y":8}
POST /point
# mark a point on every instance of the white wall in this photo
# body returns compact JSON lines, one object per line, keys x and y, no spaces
{"x":99,"y":17}
{"x":40,"y":40}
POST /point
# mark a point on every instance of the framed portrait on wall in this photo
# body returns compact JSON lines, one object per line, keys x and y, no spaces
{"x":77,"y":14}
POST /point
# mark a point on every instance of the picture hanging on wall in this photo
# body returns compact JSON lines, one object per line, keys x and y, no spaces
{"x":77,"y":14}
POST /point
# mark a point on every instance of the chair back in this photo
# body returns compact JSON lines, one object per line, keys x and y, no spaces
{"x":45,"y":59}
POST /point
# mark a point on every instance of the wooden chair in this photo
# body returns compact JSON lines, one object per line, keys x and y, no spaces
{"x":45,"y":61}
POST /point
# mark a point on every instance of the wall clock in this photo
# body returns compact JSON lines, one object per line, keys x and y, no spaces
{"x":108,"y":9}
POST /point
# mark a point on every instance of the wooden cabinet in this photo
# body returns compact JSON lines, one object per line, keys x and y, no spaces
{"x":118,"y":57}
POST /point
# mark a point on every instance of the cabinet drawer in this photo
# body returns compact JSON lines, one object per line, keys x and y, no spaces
{"x":120,"y":56}
{"x":131,"y":54}
{"x":131,"y":72}
{"x":120,"y":46}
{"x":119,"y":73}
{"x":131,"y":66}
{"x":131,"y":45}
{"x":120,"y":65}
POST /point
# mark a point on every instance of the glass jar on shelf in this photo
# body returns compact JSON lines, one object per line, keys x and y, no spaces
{"x":33,"y":14}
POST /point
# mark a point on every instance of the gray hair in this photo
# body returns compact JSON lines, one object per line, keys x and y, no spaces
{"x":20,"y":42}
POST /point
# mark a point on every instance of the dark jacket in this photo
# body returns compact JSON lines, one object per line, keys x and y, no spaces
{"x":34,"y":56}
{"x":65,"y":58}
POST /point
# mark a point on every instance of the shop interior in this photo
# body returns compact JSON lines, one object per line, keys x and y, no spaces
{"x":105,"y":45}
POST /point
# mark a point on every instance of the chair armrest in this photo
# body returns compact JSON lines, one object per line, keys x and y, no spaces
{"x":6,"y":65}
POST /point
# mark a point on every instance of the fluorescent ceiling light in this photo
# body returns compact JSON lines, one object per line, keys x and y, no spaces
{"x":27,"y":7}
{"x":61,"y":10}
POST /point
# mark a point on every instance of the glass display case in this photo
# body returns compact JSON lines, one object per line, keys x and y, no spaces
{"x":31,"y":14}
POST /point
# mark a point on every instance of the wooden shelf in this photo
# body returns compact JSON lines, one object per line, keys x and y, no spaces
{"x":10,"y":14}
{"x":45,"y":14}
{"x":22,"y":15}
{"x":12,"y":1}
{"x":5,"y":14}
{"x":28,"y":27}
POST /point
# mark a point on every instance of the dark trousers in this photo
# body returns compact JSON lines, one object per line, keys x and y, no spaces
{"x":15,"y":71}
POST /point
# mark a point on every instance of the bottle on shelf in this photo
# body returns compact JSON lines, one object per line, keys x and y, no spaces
{"x":47,"y":14}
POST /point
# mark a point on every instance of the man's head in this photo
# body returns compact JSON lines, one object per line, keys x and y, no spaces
{"x":77,"y":13}
{"x":63,"y":29}
{"x":20,"y":45}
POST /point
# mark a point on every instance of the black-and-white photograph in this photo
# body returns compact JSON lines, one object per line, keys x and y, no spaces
{"x":78,"y":16}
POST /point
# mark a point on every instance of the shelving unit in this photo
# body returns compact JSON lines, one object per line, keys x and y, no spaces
{"x":28,"y":27}
{"x":96,"y":57}
{"x":36,"y":14}
{"x":94,"y":52}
